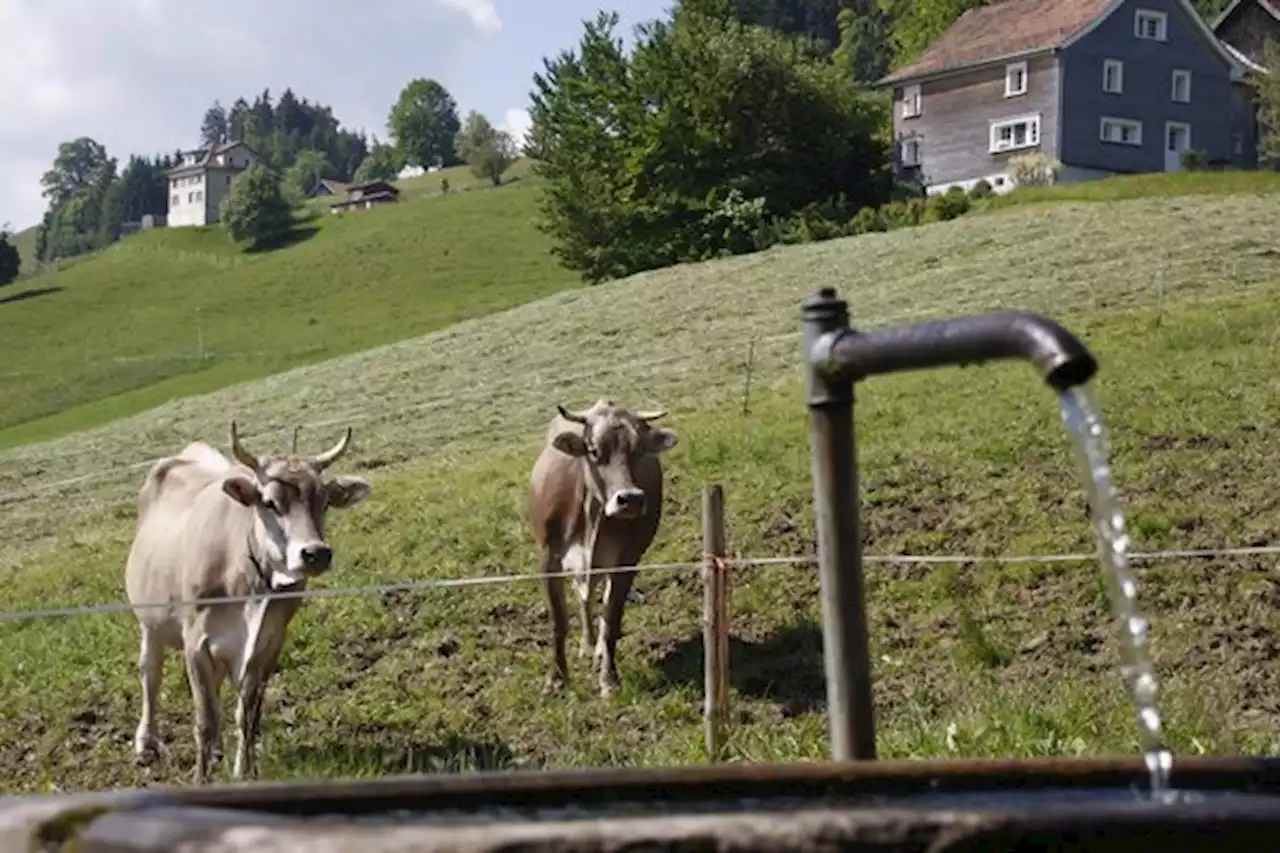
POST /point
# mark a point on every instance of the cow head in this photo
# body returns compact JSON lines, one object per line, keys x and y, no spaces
{"x":612,"y":443}
{"x":290,"y":497}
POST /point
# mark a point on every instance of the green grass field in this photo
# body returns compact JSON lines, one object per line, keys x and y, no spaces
{"x":1149,"y":185}
{"x":176,"y":312}
{"x":1012,"y":660}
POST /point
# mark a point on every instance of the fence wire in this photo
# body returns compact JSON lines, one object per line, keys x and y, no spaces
{"x":516,"y":577}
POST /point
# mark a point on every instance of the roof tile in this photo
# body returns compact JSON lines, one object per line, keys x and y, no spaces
{"x":1004,"y":28}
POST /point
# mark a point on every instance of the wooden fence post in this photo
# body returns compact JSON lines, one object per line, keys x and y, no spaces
{"x":715,"y":621}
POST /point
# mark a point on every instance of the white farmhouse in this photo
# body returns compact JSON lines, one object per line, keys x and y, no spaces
{"x":202,"y":180}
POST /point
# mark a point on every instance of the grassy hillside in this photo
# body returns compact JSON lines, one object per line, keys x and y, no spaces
{"x":181,"y":311}
{"x":1148,"y":185}
{"x":1015,"y":660}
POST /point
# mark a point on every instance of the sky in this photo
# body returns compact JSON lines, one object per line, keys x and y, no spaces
{"x":138,"y":75}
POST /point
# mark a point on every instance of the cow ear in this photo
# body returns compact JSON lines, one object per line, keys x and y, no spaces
{"x":242,"y":489}
{"x":346,"y":492}
{"x":570,"y":443}
{"x":660,"y":440}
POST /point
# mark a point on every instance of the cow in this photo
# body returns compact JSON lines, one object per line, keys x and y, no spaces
{"x":595,"y":501}
{"x":208,"y":528}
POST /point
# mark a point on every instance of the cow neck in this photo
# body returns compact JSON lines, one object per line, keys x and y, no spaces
{"x":593,"y":516}
{"x":259,"y":571}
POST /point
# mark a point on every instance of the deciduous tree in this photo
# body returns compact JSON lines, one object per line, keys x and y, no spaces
{"x":489,"y":151}
{"x":255,"y":211}
{"x":383,"y":163}
{"x":306,"y":171}
{"x":687,"y":147}
{"x":423,"y":123}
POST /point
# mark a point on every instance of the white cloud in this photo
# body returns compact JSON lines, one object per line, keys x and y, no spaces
{"x":516,"y":121}
{"x":484,"y":17}
{"x":137,"y":75}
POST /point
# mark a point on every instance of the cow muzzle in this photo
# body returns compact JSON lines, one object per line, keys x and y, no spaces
{"x":314,"y":558}
{"x":625,"y":503}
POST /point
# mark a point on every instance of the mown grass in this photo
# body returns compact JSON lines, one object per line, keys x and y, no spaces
{"x":175,"y":312}
{"x":987,"y":660}
{"x":1150,"y":185}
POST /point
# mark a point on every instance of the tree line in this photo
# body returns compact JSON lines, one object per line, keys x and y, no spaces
{"x":90,"y":200}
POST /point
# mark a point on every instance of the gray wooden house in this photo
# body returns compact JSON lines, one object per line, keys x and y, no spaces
{"x":1104,"y":86}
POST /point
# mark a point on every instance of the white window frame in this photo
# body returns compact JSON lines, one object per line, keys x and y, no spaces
{"x":994,"y":144}
{"x":1118,"y":65}
{"x":1142,"y":16}
{"x":1170,"y":125}
{"x":1010,"y":73}
{"x":912,"y":101}
{"x":1133,"y":124}
{"x":1180,"y":74}
{"x":910,"y":142}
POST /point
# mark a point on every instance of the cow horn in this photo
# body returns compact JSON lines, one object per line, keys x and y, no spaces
{"x":572,"y":416}
{"x":323,"y":460}
{"x":651,"y":415}
{"x":238,"y":450}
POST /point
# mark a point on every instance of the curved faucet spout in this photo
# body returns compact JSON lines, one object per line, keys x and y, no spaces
{"x":1061,"y":359}
{"x":835,"y":358}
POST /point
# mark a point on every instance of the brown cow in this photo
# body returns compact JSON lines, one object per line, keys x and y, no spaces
{"x":595,"y":501}
{"x":206,"y":529}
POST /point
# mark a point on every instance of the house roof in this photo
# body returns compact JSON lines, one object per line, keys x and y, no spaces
{"x":1007,"y":29}
{"x":372,"y":187}
{"x":335,"y":187}
{"x":206,"y":156}
{"x":1267,"y":6}
{"x":1244,"y":60}
{"x":1003,"y":29}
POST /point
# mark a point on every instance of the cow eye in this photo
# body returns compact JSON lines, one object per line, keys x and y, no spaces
{"x":273,"y":506}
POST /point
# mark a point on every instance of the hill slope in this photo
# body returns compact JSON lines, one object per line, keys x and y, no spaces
{"x":179,"y":311}
{"x":1017,"y":659}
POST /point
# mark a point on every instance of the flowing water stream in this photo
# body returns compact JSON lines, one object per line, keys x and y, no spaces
{"x":1083,"y":420}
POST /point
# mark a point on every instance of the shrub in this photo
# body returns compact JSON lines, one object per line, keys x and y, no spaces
{"x":1195,"y":160}
{"x":903,"y":214}
{"x":865,"y":221}
{"x":949,"y":205}
{"x":982,"y":189}
{"x":256,"y":210}
{"x":1034,"y":170}
{"x":733,"y":223}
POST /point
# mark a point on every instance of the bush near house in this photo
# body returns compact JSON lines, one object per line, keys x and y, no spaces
{"x":1034,"y":170}
{"x":256,"y":211}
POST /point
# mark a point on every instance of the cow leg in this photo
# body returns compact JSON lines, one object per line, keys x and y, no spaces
{"x":248,"y":718}
{"x":202,"y":677}
{"x":617,"y":587}
{"x":586,"y":583}
{"x":151,"y":672}
{"x":586,"y":610}
{"x":554,"y":585}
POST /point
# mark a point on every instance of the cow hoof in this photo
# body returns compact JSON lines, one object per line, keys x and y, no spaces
{"x":553,"y":685}
{"x":146,"y":750}
{"x":608,"y":688}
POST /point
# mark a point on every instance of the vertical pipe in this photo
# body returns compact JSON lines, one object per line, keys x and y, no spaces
{"x":715,"y":626}
{"x":833,"y":459}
